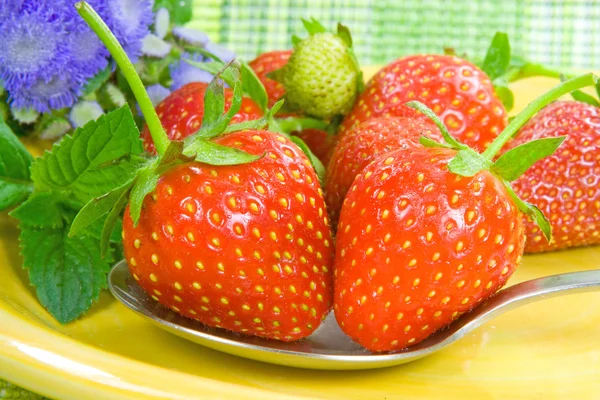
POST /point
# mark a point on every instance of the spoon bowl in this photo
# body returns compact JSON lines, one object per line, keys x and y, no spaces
{"x":328,"y":348}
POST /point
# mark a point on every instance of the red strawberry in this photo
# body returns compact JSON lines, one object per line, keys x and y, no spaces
{"x":363,"y":144}
{"x":564,"y":185}
{"x":417,"y":246}
{"x":267,"y":63}
{"x":319,"y":141}
{"x":181,"y":113}
{"x":246,"y":248}
{"x":456,"y":90}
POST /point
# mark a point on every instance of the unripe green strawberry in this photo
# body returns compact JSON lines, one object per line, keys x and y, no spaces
{"x":322,"y":77}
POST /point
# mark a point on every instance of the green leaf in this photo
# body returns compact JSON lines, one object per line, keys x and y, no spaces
{"x":314,"y":160}
{"x":145,"y":183}
{"x":110,"y":222}
{"x":253,"y":87}
{"x":512,"y":164}
{"x":313,"y":26}
{"x":212,"y":153}
{"x":214,"y":102}
{"x":295,"y":41}
{"x":360,"y":84}
{"x":468,"y":162}
{"x":497,"y":59}
{"x":179,"y":10}
{"x":173,"y":154}
{"x":297,"y":124}
{"x":260,"y":123}
{"x":97,"y":80}
{"x":97,"y":208}
{"x":15,"y":160}
{"x":68,"y":272}
{"x":429,"y":113}
{"x":585,"y":98}
{"x":532,"y":211}
{"x":219,"y":126}
{"x":97,"y":158}
{"x":598,"y":89}
{"x":46,"y":210}
{"x":505,"y":95}
{"x":428,"y":142}
{"x":344,"y":33}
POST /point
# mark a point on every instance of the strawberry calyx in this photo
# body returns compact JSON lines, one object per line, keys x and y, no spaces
{"x":198,"y":147}
{"x":583,"y":97}
{"x":515,"y":162}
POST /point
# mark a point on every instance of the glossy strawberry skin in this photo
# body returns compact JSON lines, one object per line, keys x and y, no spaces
{"x":456,"y":90}
{"x":363,"y":144}
{"x":417,"y":246}
{"x":246,"y":248}
{"x":319,"y":141}
{"x":564,"y":185}
{"x":267,"y":63}
{"x":181,"y":113}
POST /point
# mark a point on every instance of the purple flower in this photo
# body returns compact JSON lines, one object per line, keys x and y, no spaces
{"x":44,"y":94}
{"x":129,"y":21}
{"x":183,"y":73}
{"x":49,"y":53}
{"x":33,"y":44}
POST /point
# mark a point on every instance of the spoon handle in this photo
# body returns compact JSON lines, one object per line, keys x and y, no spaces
{"x":524,"y":293}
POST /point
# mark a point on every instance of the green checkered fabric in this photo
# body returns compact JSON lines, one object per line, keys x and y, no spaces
{"x":557,"y":33}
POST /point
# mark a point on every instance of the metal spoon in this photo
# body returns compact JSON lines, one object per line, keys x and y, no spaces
{"x":328,"y":347}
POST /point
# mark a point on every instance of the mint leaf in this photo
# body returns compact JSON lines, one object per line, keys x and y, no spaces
{"x":497,"y":59}
{"x":44,"y":210}
{"x":97,"y":158}
{"x":179,"y":10}
{"x":68,"y":273}
{"x":512,"y":164}
{"x":432,"y":116}
{"x":215,"y":154}
{"x":253,"y":87}
{"x":97,"y":208}
{"x":468,"y":162}
{"x":15,"y":160}
{"x":313,"y":26}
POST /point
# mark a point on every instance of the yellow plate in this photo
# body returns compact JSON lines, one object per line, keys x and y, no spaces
{"x":545,"y":350}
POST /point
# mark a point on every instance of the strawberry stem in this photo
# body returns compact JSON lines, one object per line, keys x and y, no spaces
{"x":533,"y":107}
{"x":159,"y":136}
